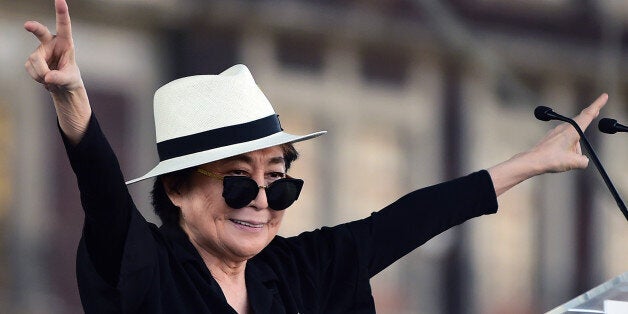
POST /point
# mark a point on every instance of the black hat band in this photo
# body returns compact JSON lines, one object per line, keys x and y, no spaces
{"x":225,"y":136}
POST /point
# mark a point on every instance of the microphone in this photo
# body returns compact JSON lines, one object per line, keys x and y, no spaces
{"x":610,"y":126}
{"x":546,"y":114}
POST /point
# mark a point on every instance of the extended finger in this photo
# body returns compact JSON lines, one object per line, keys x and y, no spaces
{"x":64,"y":26}
{"x":591,"y":112}
{"x":40,"y":31}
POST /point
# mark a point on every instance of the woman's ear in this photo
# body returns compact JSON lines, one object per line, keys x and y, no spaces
{"x":172,"y":190}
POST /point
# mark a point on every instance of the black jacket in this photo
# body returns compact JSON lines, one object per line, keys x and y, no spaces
{"x":127,"y":265}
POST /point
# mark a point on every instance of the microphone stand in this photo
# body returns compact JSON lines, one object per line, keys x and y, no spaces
{"x":546,"y":114}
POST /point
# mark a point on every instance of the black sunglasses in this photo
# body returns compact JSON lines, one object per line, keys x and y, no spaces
{"x":239,"y":191}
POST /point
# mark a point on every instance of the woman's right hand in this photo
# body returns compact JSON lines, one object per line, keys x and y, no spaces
{"x":53,"y":65}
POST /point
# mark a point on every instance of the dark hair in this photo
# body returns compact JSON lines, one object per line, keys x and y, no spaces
{"x":170,"y":213}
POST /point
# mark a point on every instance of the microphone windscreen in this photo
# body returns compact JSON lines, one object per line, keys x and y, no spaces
{"x":607,"y":125}
{"x":542,"y":113}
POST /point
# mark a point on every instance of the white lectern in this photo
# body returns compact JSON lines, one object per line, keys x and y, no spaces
{"x":610,"y":297}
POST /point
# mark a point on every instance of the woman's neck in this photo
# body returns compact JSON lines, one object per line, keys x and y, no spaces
{"x":233,"y":286}
{"x":230,"y":276}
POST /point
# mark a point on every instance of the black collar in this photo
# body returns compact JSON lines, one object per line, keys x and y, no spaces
{"x":261,"y":280}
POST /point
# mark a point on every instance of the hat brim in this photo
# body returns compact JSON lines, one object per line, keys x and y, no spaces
{"x":200,"y":158}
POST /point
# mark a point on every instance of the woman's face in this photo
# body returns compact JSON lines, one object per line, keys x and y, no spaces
{"x":224,"y":232}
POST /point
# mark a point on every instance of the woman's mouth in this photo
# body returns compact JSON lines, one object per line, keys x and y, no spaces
{"x":247,"y":224}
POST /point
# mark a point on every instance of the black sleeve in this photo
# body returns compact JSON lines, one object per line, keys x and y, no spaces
{"x":406,"y":224}
{"x":334,"y":265}
{"x":105,"y":199}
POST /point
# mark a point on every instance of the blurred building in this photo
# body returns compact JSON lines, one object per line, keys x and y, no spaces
{"x":412,"y":92}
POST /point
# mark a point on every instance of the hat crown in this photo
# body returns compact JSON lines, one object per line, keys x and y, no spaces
{"x":204,"y":118}
{"x":196,"y":104}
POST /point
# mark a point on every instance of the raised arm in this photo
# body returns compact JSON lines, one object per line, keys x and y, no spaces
{"x":558,"y":151}
{"x":53,"y":65}
{"x":104,"y":196}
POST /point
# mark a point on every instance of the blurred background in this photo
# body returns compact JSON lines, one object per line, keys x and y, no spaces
{"x":412,"y":92}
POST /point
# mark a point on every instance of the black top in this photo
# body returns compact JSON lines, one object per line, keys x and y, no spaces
{"x":127,"y":265}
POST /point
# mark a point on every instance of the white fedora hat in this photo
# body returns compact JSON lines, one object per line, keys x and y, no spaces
{"x":204,"y":118}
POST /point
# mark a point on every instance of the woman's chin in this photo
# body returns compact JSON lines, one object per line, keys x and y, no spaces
{"x":247,"y":246}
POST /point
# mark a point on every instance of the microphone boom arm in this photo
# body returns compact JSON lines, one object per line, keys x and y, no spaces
{"x":596,"y":161}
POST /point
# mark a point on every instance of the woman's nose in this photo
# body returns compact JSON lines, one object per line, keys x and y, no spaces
{"x":260,"y":201}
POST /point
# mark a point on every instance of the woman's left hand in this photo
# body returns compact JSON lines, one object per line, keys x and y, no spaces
{"x":558,"y":151}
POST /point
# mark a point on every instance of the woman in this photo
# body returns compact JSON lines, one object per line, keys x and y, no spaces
{"x":220,"y":191}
